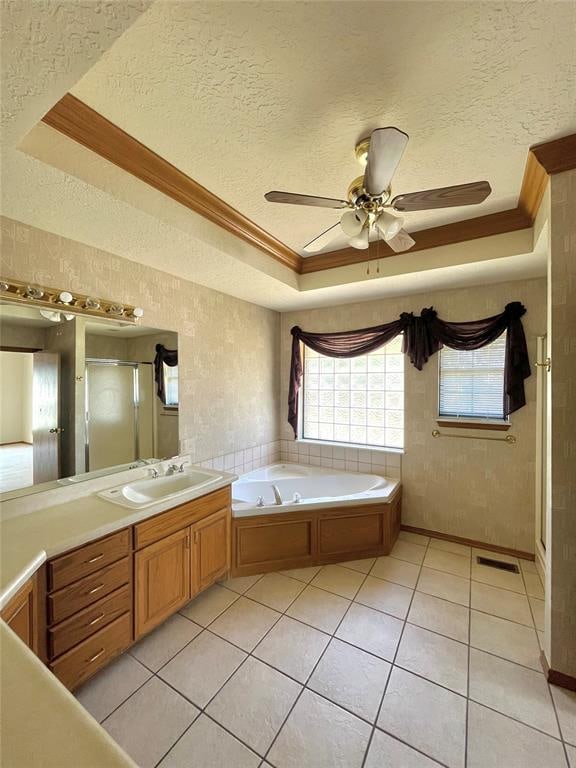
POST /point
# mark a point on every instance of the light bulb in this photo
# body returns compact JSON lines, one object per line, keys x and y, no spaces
{"x":32,"y":292}
{"x":65,"y":297}
{"x":389,"y":225}
{"x":138,"y":312}
{"x":352,"y":222}
{"x":91,"y":303}
{"x":361,"y":241}
{"x":51,"y":315}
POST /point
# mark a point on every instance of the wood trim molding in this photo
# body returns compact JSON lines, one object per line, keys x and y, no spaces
{"x":82,"y":124}
{"x":469,"y":542}
{"x":557,"y":678}
{"x":462,"y":424}
{"x":448,"y":234}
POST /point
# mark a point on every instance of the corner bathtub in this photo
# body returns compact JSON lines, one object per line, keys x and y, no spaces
{"x":317,"y":487}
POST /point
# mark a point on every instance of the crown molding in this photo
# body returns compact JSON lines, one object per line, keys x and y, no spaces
{"x":79,"y":122}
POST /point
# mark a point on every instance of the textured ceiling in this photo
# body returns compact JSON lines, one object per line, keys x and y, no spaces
{"x":246,"y":97}
{"x":48,"y":45}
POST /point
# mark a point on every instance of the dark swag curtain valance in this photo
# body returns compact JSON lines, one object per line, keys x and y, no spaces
{"x":163,"y":355}
{"x":423,"y":337}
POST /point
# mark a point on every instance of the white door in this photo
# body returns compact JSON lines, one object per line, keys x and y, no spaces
{"x":46,"y":429}
{"x":111,"y":422}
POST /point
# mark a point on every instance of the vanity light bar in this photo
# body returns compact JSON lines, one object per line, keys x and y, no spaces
{"x":52,"y":298}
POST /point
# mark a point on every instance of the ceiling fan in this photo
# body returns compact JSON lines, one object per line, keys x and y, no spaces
{"x":368,"y":205}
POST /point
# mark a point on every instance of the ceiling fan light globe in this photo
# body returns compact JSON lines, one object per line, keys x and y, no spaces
{"x":352,"y":222}
{"x":362,"y":240}
{"x":389,"y":226}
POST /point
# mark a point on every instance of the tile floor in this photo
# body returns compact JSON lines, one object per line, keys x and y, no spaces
{"x":416,"y":660}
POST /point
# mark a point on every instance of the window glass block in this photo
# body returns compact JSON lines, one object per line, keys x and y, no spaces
{"x":376,"y":399}
{"x":358,"y":401}
{"x":326,"y":415}
{"x":342,"y":365}
{"x":358,"y":416}
{"x":358,"y":381}
{"x":358,"y":364}
{"x":342,"y":398}
{"x":312,"y":365}
{"x":395,"y":382}
{"x":376,"y":363}
{"x":375,"y":417}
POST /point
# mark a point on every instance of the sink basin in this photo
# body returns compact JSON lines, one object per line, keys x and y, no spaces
{"x":150,"y":490}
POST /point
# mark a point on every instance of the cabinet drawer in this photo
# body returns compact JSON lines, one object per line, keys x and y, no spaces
{"x":84,"y":624}
{"x":87,"y":591}
{"x":82,"y":562}
{"x":85,"y":659}
{"x":164,"y":524}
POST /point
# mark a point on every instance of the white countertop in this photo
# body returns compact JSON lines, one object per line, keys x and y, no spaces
{"x":43,"y":725}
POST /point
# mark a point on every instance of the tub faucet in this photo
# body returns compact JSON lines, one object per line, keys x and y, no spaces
{"x":277,"y":495}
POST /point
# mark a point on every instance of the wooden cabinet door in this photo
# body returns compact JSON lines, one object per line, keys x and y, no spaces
{"x":162,"y":580}
{"x":20,"y":615}
{"x":210,"y":550}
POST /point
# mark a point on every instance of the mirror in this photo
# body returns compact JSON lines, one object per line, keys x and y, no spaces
{"x":81,"y":397}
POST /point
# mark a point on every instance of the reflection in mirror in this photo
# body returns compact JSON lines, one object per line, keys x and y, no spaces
{"x":82,"y":397}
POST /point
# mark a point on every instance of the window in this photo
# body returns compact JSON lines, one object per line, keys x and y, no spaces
{"x":171,"y":385}
{"x":359,"y":400}
{"x":472,"y":382}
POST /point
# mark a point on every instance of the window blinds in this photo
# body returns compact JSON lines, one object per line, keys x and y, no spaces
{"x":472,"y":382}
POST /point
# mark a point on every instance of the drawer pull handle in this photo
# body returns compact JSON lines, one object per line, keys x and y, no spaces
{"x":96,"y":589}
{"x":96,"y":656}
{"x":96,"y":620}
{"x":95,"y":559}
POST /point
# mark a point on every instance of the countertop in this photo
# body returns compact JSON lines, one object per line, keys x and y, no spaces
{"x":42,"y":723}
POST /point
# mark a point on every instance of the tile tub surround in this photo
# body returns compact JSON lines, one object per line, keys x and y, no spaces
{"x":475,"y":489}
{"x":309,"y":668}
{"x":348,"y":459}
{"x":222,"y":409}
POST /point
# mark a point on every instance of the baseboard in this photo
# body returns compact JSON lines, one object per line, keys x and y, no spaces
{"x":557,"y":678}
{"x":469,"y":542}
{"x":16,"y":442}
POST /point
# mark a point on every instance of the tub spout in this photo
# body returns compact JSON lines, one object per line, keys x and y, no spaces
{"x":277,"y":495}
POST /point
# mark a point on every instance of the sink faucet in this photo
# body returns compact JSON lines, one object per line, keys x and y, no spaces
{"x":154,"y":473}
{"x":277,"y":495}
{"x":173,"y":468}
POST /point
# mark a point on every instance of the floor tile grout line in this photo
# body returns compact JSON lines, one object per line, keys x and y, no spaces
{"x":468,"y":678}
{"x":304,"y":687}
{"x":331,"y":636}
{"x":371,"y":737}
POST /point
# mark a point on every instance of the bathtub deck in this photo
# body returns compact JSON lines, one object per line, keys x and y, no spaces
{"x":298,"y":539}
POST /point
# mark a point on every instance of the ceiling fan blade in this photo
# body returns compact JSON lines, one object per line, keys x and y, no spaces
{"x":444,"y":197}
{"x":402,"y":242}
{"x":323,"y":239}
{"x":386,"y":148}
{"x":295,"y":199}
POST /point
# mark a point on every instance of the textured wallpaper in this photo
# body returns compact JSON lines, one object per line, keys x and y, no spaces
{"x":478,"y":489}
{"x":228,"y":348}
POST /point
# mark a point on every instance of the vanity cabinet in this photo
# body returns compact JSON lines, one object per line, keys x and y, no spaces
{"x":211,"y":549}
{"x":162,"y":577}
{"x":89,"y":607}
{"x":103,"y":596}
{"x":21,"y":614}
{"x":175,"y":567}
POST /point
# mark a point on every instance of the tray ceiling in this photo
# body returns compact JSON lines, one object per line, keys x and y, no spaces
{"x":247,"y":97}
